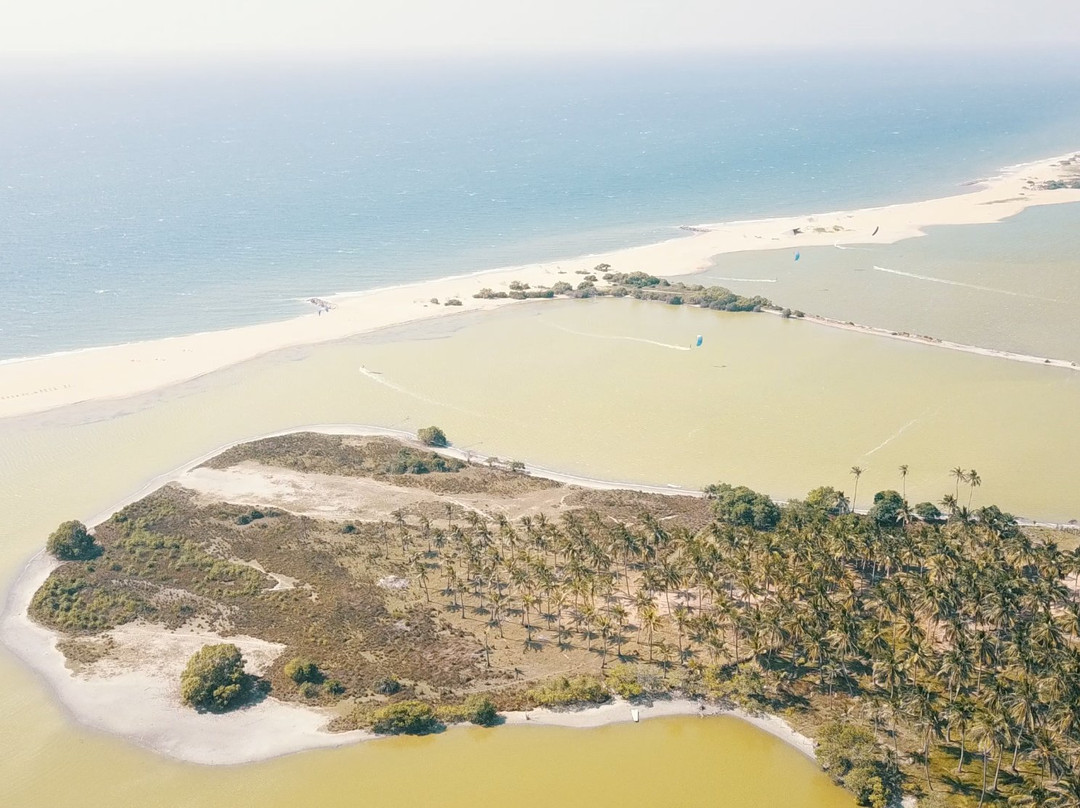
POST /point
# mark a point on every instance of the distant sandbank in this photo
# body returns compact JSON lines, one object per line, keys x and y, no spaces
{"x":42,"y":383}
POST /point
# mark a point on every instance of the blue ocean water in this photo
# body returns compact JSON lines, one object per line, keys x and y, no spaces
{"x":139,"y":201}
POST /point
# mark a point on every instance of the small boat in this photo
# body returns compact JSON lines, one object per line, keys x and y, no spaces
{"x":636,"y":715}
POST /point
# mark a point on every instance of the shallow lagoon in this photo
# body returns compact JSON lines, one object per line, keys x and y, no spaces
{"x":606,"y":388}
{"x":1012,"y":286}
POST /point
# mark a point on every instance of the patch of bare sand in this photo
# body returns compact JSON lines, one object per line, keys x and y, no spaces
{"x":326,"y":496}
{"x":134,"y":692}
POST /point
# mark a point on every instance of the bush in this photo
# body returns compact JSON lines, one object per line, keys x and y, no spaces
{"x":388,"y":686}
{"x":334,"y":687}
{"x":476,"y":709}
{"x":561,"y":288}
{"x":825,"y":498}
{"x":406,"y":718}
{"x":214,"y":678}
{"x":741,"y":506}
{"x":302,"y":670}
{"x":623,"y":681}
{"x":852,"y":757}
{"x":748,"y":685}
{"x":72,"y":542}
{"x":432,"y":436}
{"x":927,"y":511}
{"x":562,"y":692}
{"x":887,"y":505}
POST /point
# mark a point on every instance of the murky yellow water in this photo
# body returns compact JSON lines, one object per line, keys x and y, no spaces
{"x":601,"y":388}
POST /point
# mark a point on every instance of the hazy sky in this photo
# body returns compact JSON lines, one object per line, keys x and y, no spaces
{"x":455,"y":26}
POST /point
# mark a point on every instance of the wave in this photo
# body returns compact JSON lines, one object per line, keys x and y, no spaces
{"x":627,"y":339}
{"x":746,"y":280}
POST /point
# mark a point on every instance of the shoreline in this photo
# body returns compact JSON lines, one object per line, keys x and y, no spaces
{"x":161,"y":724}
{"x":36,"y":384}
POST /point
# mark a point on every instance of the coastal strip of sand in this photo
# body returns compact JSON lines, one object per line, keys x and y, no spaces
{"x":134,"y":692}
{"x":42,"y":383}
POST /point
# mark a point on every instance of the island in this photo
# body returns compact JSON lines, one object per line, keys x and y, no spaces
{"x":330,"y":588}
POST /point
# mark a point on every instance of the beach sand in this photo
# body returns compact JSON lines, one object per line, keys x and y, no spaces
{"x":41,"y":383}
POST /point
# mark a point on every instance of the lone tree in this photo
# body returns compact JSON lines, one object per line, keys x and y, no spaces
{"x":302,"y":670}
{"x":214,"y":678}
{"x":72,"y":542}
{"x":432,"y":436}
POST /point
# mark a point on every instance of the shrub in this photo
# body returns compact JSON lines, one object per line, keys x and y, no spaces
{"x":623,"y":681}
{"x":406,"y":718}
{"x":387,"y":686}
{"x":302,"y":670}
{"x":452,"y":302}
{"x":741,"y":506}
{"x":214,"y":678}
{"x":476,"y":709}
{"x":852,"y":757}
{"x":561,"y":288}
{"x":72,"y":542}
{"x":927,"y":511}
{"x":432,"y":436}
{"x":887,"y":505}
{"x":825,"y":498}
{"x":334,"y":687}
{"x":561,"y":692}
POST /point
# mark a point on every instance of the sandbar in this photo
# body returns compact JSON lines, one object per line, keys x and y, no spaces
{"x":42,"y":383}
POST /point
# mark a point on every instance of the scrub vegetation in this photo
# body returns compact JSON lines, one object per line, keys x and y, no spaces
{"x":930,"y":650}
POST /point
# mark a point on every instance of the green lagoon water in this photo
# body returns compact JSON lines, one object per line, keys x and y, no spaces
{"x":1012,"y":286}
{"x":602,"y":388}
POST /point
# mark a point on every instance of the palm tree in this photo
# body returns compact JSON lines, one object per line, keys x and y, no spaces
{"x":974,"y":480}
{"x":903,"y":481}
{"x":857,"y":471}
{"x":961,"y":477}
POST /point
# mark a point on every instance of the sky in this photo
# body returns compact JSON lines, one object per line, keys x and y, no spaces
{"x":333,"y":27}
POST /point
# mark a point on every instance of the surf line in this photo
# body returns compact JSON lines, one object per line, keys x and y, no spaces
{"x":377,"y":377}
{"x":894,"y":436}
{"x":746,"y":280}
{"x":628,"y":339}
{"x":967,"y":285}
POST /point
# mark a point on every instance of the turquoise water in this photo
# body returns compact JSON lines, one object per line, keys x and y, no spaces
{"x":149,"y":201}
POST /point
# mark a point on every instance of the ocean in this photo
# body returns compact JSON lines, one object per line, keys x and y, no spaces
{"x":148,"y":200}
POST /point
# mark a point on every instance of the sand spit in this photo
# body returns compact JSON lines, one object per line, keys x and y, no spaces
{"x":41,"y":383}
{"x":934,"y":342}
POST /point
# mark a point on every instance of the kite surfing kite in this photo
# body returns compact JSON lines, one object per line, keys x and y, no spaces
{"x":875,"y":231}
{"x":700,"y":339}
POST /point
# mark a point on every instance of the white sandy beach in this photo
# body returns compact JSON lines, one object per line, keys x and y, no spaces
{"x":134,"y":692}
{"x":43,"y":383}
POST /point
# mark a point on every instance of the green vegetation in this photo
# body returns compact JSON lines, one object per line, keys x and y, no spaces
{"x":476,"y":709}
{"x":72,"y":542}
{"x":933,"y":653}
{"x":853,"y":759}
{"x":741,"y":506}
{"x":406,"y":718}
{"x":564,"y":692}
{"x":214,"y":678}
{"x":432,"y":436}
{"x":302,"y":670}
